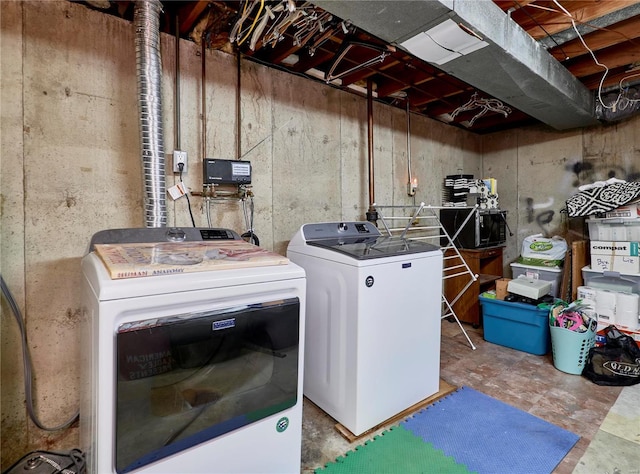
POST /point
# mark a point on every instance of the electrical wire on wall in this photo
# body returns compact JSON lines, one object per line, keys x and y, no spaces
{"x":606,"y":69}
{"x":177,"y":117}
{"x":207,"y":210}
{"x":249,"y":235}
{"x":412,"y":183}
{"x":28,"y":365}
{"x":186,"y":195}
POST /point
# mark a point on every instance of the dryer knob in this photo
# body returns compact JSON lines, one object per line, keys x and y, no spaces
{"x":342,"y":227}
{"x":176,"y":235}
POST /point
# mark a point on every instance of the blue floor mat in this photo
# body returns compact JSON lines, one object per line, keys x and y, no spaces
{"x":489,"y":436}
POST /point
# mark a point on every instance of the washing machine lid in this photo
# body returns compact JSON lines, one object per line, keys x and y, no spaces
{"x":366,"y":248}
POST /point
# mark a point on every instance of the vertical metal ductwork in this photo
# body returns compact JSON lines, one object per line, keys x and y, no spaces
{"x":149,"y":73}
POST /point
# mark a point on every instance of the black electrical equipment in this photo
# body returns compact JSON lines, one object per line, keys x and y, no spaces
{"x":217,"y":171}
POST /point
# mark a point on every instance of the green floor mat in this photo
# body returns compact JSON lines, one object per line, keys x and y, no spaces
{"x":396,"y":451}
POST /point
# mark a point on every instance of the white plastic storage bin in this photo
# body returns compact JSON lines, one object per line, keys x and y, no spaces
{"x":611,"y":280}
{"x":615,"y":229}
{"x":552,"y":275}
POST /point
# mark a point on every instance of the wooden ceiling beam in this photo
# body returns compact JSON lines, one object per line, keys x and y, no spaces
{"x":614,"y":76}
{"x":544,"y":13}
{"x":557,"y":21}
{"x":189,"y":15}
{"x":600,"y":39}
{"x":506,"y":5}
{"x":365,"y":73}
{"x":306,"y":62}
{"x":613,"y":57}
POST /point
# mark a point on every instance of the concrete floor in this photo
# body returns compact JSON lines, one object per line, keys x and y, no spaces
{"x":609,"y":437}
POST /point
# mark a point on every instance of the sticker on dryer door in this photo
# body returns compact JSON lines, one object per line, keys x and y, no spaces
{"x":282,"y":424}
{"x":369,"y":281}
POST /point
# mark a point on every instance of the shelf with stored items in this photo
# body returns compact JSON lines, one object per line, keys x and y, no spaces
{"x":486,"y":263}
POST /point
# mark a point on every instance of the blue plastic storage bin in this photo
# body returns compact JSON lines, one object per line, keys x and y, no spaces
{"x":516,"y":325}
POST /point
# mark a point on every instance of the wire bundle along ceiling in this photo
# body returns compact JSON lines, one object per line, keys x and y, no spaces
{"x":507,"y":63}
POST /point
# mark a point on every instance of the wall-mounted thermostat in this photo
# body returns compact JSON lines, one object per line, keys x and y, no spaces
{"x":217,"y":171}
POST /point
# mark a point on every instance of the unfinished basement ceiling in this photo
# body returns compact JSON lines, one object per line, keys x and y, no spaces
{"x":481,"y":65}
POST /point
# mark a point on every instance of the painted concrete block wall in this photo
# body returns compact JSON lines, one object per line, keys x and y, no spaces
{"x":539,"y":169}
{"x":71,"y":167}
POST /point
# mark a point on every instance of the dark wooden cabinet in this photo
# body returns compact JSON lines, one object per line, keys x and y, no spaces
{"x":487,"y":264}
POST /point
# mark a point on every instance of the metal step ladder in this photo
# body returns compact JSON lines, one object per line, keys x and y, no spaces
{"x":424,"y":224}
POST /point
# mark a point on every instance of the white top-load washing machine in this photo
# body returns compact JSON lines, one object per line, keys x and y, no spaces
{"x":372,"y":342}
{"x":192,"y":372}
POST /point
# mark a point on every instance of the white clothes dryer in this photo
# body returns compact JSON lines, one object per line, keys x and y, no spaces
{"x":194,"y":372}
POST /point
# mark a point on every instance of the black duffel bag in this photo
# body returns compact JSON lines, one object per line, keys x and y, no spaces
{"x":616,"y":363}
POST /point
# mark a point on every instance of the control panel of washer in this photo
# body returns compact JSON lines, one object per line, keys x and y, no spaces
{"x":329,"y":230}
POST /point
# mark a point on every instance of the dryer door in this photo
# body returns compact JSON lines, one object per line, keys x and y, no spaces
{"x":186,"y":379}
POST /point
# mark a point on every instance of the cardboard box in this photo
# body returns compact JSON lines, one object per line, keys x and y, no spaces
{"x":629,"y":211}
{"x":501,"y":288}
{"x":620,"y":264}
{"x":614,"y":249}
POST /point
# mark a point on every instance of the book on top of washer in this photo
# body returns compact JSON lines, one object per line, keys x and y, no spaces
{"x":134,"y":260}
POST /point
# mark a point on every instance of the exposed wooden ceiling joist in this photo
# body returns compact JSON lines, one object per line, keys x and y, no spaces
{"x":611,"y":29}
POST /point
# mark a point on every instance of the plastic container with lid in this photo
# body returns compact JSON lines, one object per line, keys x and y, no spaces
{"x":614,"y":229}
{"x":520,"y":326}
{"x":550,"y":274}
{"x":611,"y":280}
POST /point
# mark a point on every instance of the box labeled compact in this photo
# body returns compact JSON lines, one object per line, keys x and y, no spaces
{"x":520,"y":326}
{"x":613,"y":248}
{"x":552,"y":275}
{"x":620,"y":264}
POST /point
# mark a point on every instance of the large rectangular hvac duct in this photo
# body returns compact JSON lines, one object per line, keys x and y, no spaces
{"x":512,"y":66}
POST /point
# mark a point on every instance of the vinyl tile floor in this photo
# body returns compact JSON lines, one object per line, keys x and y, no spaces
{"x":607,"y":419}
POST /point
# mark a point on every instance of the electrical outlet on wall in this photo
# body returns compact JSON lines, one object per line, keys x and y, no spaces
{"x":179,"y":157}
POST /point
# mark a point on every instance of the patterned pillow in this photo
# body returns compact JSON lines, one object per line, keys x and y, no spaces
{"x":602,"y":199}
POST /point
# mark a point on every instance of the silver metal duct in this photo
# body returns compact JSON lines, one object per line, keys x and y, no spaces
{"x":149,"y":73}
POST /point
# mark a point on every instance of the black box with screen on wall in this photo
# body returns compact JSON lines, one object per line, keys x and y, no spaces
{"x":217,"y":171}
{"x":486,"y":228}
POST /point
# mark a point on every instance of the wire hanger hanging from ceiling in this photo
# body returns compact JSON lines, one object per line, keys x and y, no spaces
{"x":383,"y":50}
{"x":485,"y":105}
